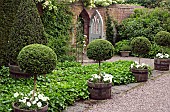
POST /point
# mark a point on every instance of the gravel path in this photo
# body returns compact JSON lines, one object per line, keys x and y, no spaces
{"x":153,"y":96}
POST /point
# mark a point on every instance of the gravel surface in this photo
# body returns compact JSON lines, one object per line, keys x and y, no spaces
{"x":153,"y":96}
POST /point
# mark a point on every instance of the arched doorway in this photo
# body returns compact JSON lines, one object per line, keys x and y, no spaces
{"x":86,"y":20}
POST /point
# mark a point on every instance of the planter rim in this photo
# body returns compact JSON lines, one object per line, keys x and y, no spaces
{"x":98,"y":82}
{"x":125,"y":51}
{"x":13,"y":105}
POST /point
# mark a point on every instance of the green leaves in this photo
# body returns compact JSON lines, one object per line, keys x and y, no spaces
{"x":63,"y":86}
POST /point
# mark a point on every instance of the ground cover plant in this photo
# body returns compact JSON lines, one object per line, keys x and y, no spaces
{"x":64,"y":85}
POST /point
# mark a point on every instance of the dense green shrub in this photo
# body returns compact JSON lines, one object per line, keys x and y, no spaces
{"x":100,"y":50}
{"x":8,"y":10}
{"x":63,"y":87}
{"x":57,"y":23}
{"x":140,"y":45}
{"x":120,"y":44}
{"x":110,"y":32}
{"x":145,"y":22}
{"x":125,"y":48}
{"x":27,"y":29}
{"x":37,"y":59}
{"x":162,"y":38}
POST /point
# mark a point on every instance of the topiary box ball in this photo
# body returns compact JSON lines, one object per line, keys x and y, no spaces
{"x":140,"y":45}
{"x":100,"y":50}
{"x":37,"y":59}
{"x":162,"y":38}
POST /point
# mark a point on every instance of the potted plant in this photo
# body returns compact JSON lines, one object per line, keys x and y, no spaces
{"x":140,"y":46}
{"x":27,"y":29}
{"x":125,"y":50}
{"x":100,"y":84}
{"x":35,"y":59}
{"x":161,"y":61}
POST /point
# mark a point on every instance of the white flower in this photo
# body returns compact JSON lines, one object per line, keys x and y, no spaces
{"x":137,"y":66}
{"x":40,"y":96}
{"x":166,"y":55}
{"x":16,"y":94}
{"x":34,"y":102}
{"x":45,"y":98}
{"x":28,"y":104}
{"x":24,"y":100}
{"x":36,"y":99}
{"x":39,"y":104}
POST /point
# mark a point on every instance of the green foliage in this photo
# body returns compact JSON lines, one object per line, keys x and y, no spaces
{"x":110,"y":29}
{"x":8,"y":10}
{"x":125,"y":48}
{"x":37,"y":59}
{"x":146,"y":3}
{"x":140,"y":45}
{"x":162,"y":38}
{"x":145,"y":22}
{"x":120,"y":44}
{"x":57,"y":24}
{"x":63,"y":87}
{"x":27,"y":29}
{"x":100,"y":50}
{"x":155,"y":49}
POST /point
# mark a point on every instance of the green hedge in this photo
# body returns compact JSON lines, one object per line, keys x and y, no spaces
{"x":27,"y":29}
{"x":145,"y":22}
{"x":8,"y":10}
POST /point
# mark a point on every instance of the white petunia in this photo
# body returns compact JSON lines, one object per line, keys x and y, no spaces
{"x":36,"y":99}
{"x":34,"y":102}
{"x":28,"y":104}
{"x":40,"y":96}
{"x":39,"y":104}
{"x":16,"y":94}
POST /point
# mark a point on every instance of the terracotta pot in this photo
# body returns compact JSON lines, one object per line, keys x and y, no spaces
{"x":99,"y":91}
{"x":16,"y":109}
{"x":16,"y":72}
{"x":161,"y":64}
{"x":141,"y":75}
{"x":125,"y":53}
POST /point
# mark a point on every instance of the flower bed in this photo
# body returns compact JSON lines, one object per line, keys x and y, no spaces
{"x":64,"y":86}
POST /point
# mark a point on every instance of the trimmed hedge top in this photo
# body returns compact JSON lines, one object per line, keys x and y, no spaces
{"x":140,"y":45}
{"x":37,"y":59}
{"x":100,"y":50}
{"x":162,"y":38}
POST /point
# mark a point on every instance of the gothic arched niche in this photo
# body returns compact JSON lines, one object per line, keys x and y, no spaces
{"x":96,"y":26}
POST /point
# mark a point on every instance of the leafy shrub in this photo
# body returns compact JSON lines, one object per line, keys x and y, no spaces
{"x":120,"y":44}
{"x":125,"y":48}
{"x":63,"y":87}
{"x":100,"y":50}
{"x":37,"y":59}
{"x":140,"y":45}
{"x":27,"y":29}
{"x":145,"y":22}
{"x":162,"y":38}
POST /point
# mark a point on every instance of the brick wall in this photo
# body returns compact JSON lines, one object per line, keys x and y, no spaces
{"x":117,"y":11}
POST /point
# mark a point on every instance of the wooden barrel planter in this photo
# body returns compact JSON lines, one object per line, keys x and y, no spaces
{"x":161,"y":64}
{"x":16,"y":109}
{"x":141,"y":75}
{"x":16,"y":72}
{"x":99,"y":91}
{"x":125,"y":53}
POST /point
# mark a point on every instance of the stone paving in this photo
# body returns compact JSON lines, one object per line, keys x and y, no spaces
{"x":82,"y":106}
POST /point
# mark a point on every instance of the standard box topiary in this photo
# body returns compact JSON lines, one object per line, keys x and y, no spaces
{"x":100,"y":50}
{"x":37,"y":59}
{"x":140,"y":46}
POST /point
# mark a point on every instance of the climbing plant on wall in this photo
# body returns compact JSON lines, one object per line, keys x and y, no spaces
{"x":57,"y":20}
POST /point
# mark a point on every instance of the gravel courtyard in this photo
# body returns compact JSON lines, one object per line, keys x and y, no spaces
{"x":153,"y":96}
